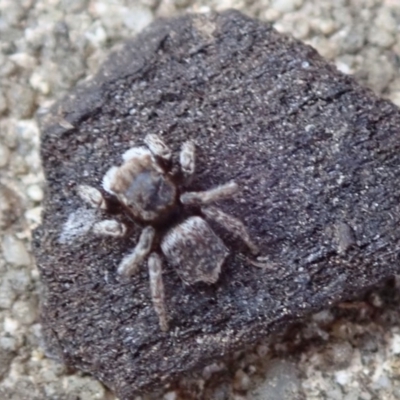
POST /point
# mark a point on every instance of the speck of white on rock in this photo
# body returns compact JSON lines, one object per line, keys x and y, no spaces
{"x":77,"y":225}
{"x":14,"y":251}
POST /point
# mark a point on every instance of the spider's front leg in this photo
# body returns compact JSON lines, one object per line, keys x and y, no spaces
{"x":92,"y":196}
{"x":157,"y":146}
{"x":95,"y":199}
{"x":157,"y":290}
{"x":221,"y":192}
{"x":187,"y":160}
{"x":130,"y":263}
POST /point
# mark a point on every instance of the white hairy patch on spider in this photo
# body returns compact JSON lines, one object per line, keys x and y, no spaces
{"x":77,"y":225}
{"x":109,"y":178}
{"x":136,"y":152}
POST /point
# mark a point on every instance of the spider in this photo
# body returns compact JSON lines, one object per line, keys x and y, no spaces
{"x":150,"y":191}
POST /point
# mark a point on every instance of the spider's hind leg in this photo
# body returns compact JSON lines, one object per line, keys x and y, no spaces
{"x":157,"y":289}
{"x":231,"y":224}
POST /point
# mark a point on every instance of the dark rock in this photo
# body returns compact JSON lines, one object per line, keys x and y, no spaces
{"x":317,"y":158}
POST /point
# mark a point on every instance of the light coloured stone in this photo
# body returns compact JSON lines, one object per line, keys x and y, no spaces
{"x":286,"y":6}
{"x":271,"y":14}
{"x":343,"y":377}
{"x":25,"y":312}
{"x":281,"y":382}
{"x":7,"y":295}
{"x":24,"y":60}
{"x":14,"y":251}
{"x":10,"y":326}
{"x":96,"y":35}
{"x":136,"y":18}
{"x":84,"y":387}
{"x":4,"y":155}
{"x":19,"y":280}
{"x":39,"y":83}
{"x":3,"y":103}
{"x":380,"y":37}
{"x":395,"y":98}
{"x":241,"y":381}
{"x":35,"y":192}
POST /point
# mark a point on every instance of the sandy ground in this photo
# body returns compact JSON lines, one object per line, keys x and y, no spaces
{"x":47,"y":47}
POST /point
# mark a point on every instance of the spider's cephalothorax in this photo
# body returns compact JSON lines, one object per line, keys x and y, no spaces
{"x":149,"y":192}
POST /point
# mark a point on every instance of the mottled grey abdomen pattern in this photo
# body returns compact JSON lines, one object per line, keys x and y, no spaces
{"x":195,"y":251}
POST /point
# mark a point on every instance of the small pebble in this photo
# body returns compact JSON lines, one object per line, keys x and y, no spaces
{"x":339,"y":355}
{"x":14,"y":251}
{"x":136,"y":18}
{"x":7,"y":295}
{"x":286,"y":6}
{"x":4,"y":155}
{"x":380,"y":38}
{"x":39,"y":83}
{"x":25,"y":312}
{"x":241,"y":381}
{"x":343,"y":377}
{"x":24,"y":60}
{"x":35,"y":193}
{"x":395,"y":344}
{"x":19,"y":280}
{"x":3,"y":103}
{"x":84,"y":388}
{"x":281,"y":382}
{"x":21,"y":101}
{"x":10,"y":325}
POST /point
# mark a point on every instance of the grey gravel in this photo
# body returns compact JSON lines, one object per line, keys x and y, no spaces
{"x":46,"y":47}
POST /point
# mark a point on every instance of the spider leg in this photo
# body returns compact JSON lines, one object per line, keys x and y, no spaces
{"x":157,"y":289}
{"x":157,"y":147}
{"x":130,"y":263}
{"x":231,"y":224}
{"x":210,"y":196}
{"x":187,"y":159}
{"x":109,"y":227}
{"x":91,"y":196}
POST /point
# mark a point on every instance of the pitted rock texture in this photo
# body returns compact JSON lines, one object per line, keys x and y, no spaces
{"x":317,"y":158}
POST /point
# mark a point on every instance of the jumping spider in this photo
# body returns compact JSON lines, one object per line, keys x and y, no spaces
{"x":149,"y":190}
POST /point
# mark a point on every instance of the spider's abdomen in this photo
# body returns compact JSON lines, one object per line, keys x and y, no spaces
{"x":195,"y":251}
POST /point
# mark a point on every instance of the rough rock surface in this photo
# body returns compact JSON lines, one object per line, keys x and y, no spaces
{"x":317,"y":158}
